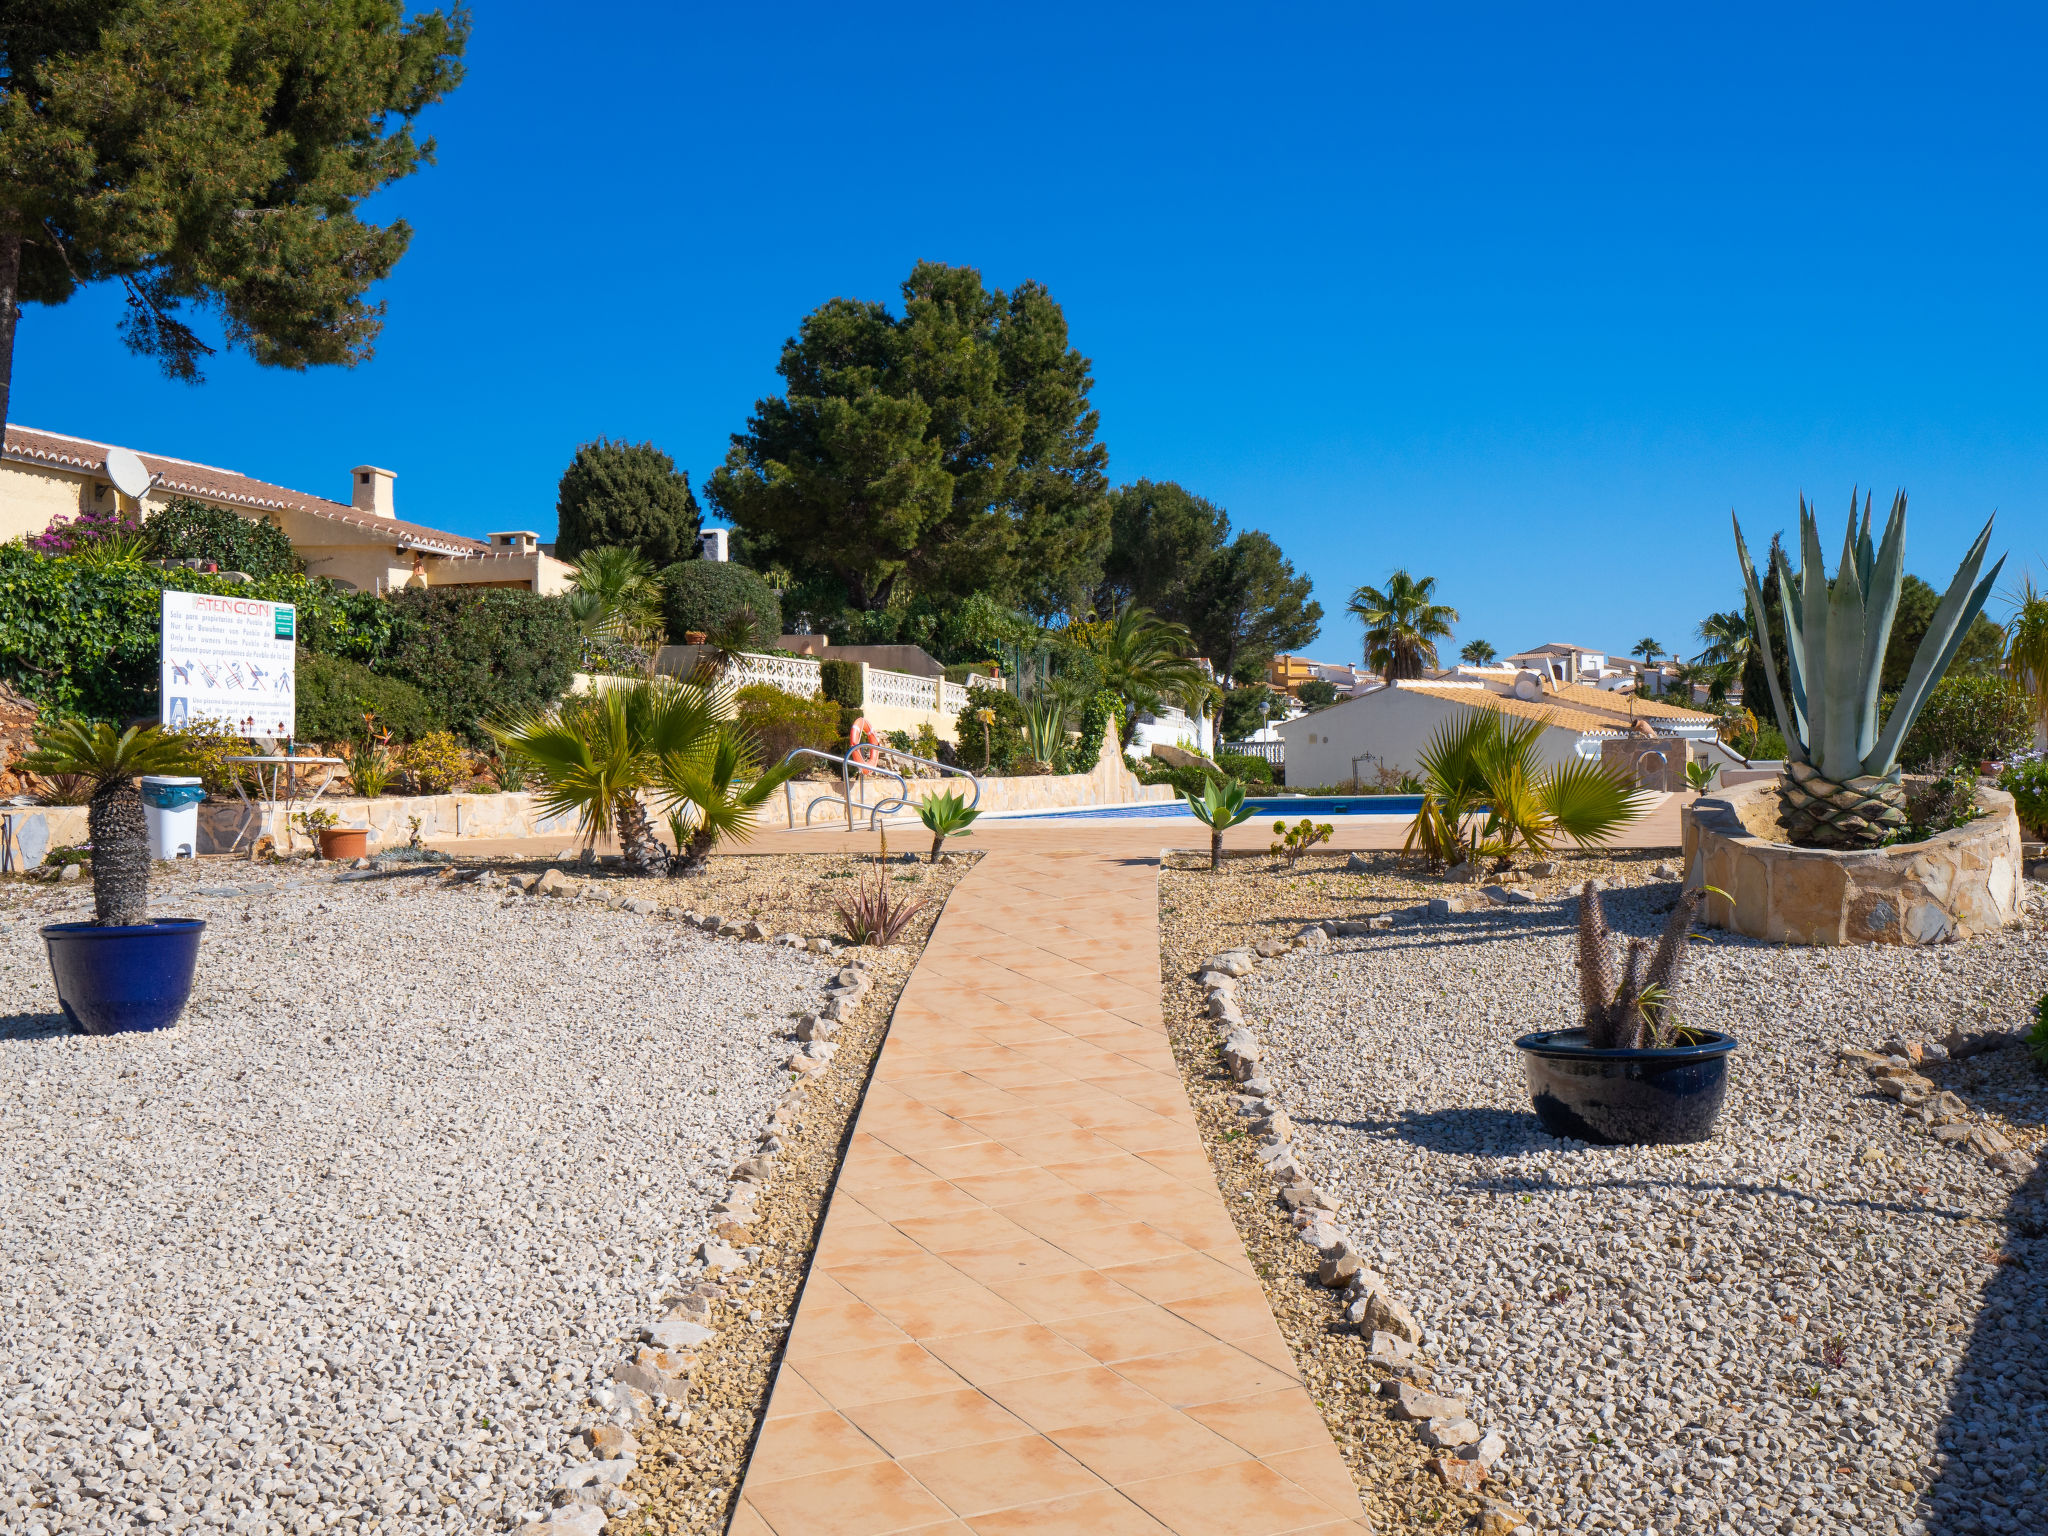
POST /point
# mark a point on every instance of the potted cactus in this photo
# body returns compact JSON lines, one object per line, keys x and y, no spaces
{"x":121,"y":971}
{"x":1840,"y":787}
{"x":1633,"y":1072}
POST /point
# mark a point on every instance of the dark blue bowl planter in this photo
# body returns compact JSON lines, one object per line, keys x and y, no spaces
{"x":1626,"y":1098}
{"x":114,"y":979}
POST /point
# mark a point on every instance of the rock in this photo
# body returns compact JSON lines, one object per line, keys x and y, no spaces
{"x":1358,"y":864}
{"x":1464,"y":871}
{"x":657,"y":1372}
{"x":1379,"y":924}
{"x":1392,"y":1345}
{"x":788,"y":940}
{"x":1449,"y":1434}
{"x":732,"y":930}
{"x":1986,"y":1142}
{"x":721,"y":1256}
{"x":1241,"y":1053}
{"x":758,"y":1169}
{"x":1666,"y":871}
{"x":1488,"y":1450}
{"x":1859,"y":1057}
{"x":1273,"y":949}
{"x":1543,"y":869}
{"x":1465,"y":1475}
{"x":811,"y":1027}
{"x":1215,"y":981}
{"x":1338,"y":1266}
{"x":1912,"y":1050}
{"x":695,"y":1309}
{"x":1223,"y":1005}
{"x":1496,"y":1519}
{"x":754,"y":929}
{"x":611,"y":1442}
{"x":1233,"y":962}
{"x":640,"y":905}
{"x":1384,"y":1314}
{"x":1942,"y":1109}
{"x":1313,"y":935}
{"x":570,"y":1520}
{"x":1413,"y":1403}
{"x":1951,"y":1133}
{"x":69,"y":873}
{"x":554,"y":883}
{"x":1504,"y":897}
{"x":823,"y":947}
{"x":1275,"y":1124}
{"x":1306,"y":1197}
{"x":605,"y":1474}
{"x":676,"y":1333}
{"x":2013,"y":1161}
{"x":1899,"y":1084}
{"x":1963,"y":1043}
{"x":839,"y":1010}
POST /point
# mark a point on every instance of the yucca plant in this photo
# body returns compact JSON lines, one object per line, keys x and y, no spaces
{"x":1636,"y":1008}
{"x":1045,"y":729}
{"x":1220,"y":808}
{"x":1840,"y":787}
{"x":111,"y":761}
{"x":944,"y":816}
{"x":715,"y":791}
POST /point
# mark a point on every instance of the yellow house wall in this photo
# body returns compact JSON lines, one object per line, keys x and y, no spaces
{"x":30,"y":496}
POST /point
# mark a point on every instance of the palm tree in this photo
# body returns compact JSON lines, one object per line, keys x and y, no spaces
{"x":596,"y":754}
{"x":1147,"y":661}
{"x":615,"y":592}
{"x":1402,"y":625}
{"x":111,"y":762}
{"x":1729,"y":639}
{"x":1648,"y":649}
{"x":1483,"y":779}
{"x":2026,"y":643}
{"x":1477,"y":653}
{"x":715,"y":791}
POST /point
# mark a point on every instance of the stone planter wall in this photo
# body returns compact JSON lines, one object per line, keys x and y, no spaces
{"x":1960,"y":884}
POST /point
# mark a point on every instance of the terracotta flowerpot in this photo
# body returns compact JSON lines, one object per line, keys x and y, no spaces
{"x":344,"y":842}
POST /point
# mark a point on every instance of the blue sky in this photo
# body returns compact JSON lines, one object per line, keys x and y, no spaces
{"x":1524,"y":300}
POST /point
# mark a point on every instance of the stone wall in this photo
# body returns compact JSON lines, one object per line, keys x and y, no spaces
{"x":1960,"y":884}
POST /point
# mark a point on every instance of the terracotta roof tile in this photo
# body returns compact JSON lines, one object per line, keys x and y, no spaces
{"x":1618,"y":704}
{"x":29,"y":445}
{"x":1524,"y":709}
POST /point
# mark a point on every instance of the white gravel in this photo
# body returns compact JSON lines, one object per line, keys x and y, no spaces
{"x":349,"y":1248}
{"x":1779,"y":1330}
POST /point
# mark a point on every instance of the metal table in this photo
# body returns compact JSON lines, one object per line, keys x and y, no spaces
{"x":274,"y":772}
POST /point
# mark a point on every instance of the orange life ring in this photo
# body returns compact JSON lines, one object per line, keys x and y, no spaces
{"x":863,"y":744}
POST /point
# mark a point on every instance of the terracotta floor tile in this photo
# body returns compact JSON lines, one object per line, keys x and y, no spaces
{"x":747,"y":1521}
{"x":874,"y":1278}
{"x":1066,"y":1398}
{"x":1320,"y":1470}
{"x":869,"y":1500}
{"x":832,"y":1329}
{"x":807,"y":1443}
{"x":998,"y":1474}
{"x":995,"y":1263}
{"x":1268,"y":1348}
{"x":1207,"y":1374}
{"x":1171,"y":1280}
{"x":1266,"y":1423}
{"x":932,"y":1197}
{"x":1050,"y":1298}
{"x":858,"y":1376}
{"x":977,"y":1160}
{"x":966,"y":1308}
{"x":1070,"y":1211}
{"x":792,"y":1395}
{"x":1226,"y":1316}
{"x":1131,"y":1333}
{"x":1000,"y":1189}
{"x":1003,"y":1354}
{"x":912,"y":1426}
{"x":1107,"y":1513}
{"x":843,"y":1244}
{"x":978,"y":1228}
{"x":1243,"y":1498}
{"x":1108,"y":1247}
{"x":1153,"y":1445}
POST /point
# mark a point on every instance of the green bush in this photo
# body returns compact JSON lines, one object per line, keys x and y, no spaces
{"x":1970,"y":718}
{"x":629,"y":494}
{"x":334,"y":695}
{"x":1188,"y":781}
{"x":698,"y":594}
{"x":1103,"y":713}
{"x":2027,"y":783}
{"x":783,"y":722}
{"x":1005,"y":739}
{"x":1253,"y":770}
{"x":192,"y":530}
{"x":839,"y":681}
{"x":1239,"y":715}
{"x":82,"y":638}
{"x":481,"y":653}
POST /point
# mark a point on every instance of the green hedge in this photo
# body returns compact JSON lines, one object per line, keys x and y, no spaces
{"x":334,"y":695}
{"x":481,"y":653}
{"x":839,"y":681}
{"x":82,"y":638}
{"x":192,"y":530}
{"x":1253,"y":770}
{"x":697,"y":594}
{"x":783,"y":722}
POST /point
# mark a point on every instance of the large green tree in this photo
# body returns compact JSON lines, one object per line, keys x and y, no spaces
{"x":629,"y":495}
{"x":211,"y":155}
{"x":1249,"y":605}
{"x":1161,"y":539}
{"x":948,"y":450}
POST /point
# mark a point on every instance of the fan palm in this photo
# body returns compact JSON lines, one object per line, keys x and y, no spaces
{"x":1147,"y":661}
{"x":111,"y":762}
{"x":1402,"y":624}
{"x":1483,"y":779}
{"x":715,"y":790}
{"x":1729,"y":639}
{"x":615,"y":592}
{"x":596,"y":754}
{"x":2026,"y":643}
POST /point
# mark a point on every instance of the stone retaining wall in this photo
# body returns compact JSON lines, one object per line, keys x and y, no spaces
{"x":1960,"y":884}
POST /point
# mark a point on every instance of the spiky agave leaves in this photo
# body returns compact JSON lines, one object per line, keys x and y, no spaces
{"x":1636,"y":1009}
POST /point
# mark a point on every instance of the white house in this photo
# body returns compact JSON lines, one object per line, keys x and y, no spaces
{"x":1353,"y":740}
{"x":1564,"y":663}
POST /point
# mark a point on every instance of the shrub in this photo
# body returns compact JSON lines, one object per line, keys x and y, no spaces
{"x":435,"y":764}
{"x":700,"y":594}
{"x":839,"y":681}
{"x":94,"y":526}
{"x":1243,"y":765}
{"x":1003,"y":745}
{"x":1188,"y":782}
{"x":481,"y":653}
{"x":1973,"y":719}
{"x":210,"y":744}
{"x":334,"y":695}
{"x":628,"y":494}
{"x":2027,"y":783}
{"x":2037,"y":1033}
{"x":192,"y":530}
{"x":782,"y":722}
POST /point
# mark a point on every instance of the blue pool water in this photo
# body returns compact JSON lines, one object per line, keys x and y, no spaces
{"x":1283,"y":806}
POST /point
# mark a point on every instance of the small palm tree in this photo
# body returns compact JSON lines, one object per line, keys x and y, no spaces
{"x":111,"y":762}
{"x":1482,"y":763}
{"x":714,"y":791}
{"x":1402,"y":624}
{"x":1477,"y":653}
{"x":2026,"y":643}
{"x":1220,"y":808}
{"x":944,"y":816}
{"x":1729,"y":639}
{"x":1648,"y":649}
{"x":615,"y":593}
{"x":1147,"y":661}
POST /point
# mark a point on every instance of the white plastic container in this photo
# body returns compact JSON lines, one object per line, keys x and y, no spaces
{"x":171,"y":808}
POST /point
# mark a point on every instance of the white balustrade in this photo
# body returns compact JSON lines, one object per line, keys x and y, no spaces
{"x":952,"y":698}
{"x":901,"y":690}
{"x":800,"y":675}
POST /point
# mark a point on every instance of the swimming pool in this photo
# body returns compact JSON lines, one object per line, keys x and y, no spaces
{"x":1279,"y":805}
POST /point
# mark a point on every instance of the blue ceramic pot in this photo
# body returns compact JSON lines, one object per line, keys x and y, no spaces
{"x":1626,"y":1098}
{"x":115,"y":979}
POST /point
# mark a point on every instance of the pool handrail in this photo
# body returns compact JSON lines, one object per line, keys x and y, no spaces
{"x":847,"y":763}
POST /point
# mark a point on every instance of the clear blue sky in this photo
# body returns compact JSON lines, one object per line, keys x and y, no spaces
{"x":1525,"y":298}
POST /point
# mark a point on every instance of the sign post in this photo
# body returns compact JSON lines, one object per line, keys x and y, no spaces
{"x":231,"y":660}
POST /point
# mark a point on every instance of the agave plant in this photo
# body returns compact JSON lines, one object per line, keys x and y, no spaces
{"x":944,"y":816}
{"x":111,"y":761}
{"x":1220,"y":808}
{"x":1840,"y":787}
{"x":1045,"y":728}
{"x":1637,"y":1007}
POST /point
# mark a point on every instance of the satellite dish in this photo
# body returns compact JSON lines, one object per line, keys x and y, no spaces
{"x":1528,"y":686}
{"x":130,"y":478}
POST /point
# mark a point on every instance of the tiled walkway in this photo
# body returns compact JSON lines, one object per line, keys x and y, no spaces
{"x":1029,"y":1310}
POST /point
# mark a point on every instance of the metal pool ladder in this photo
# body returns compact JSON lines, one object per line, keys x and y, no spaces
{"x":848,"y":766}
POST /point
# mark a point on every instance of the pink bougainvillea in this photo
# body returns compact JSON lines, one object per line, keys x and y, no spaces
{"x":68,"y":535}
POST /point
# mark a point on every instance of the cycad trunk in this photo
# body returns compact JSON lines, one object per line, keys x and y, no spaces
{"x":691,"y":857}
{"x":1215,"y":849}
{"x":638,"y":846}
{"x":938,"y":842}
{"x":120,"y":855}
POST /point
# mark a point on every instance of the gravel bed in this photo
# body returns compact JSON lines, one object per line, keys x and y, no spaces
{"x":1823,"y":1320}
{"x":353,"y":1246}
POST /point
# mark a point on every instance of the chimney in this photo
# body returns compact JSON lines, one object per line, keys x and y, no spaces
{"x":370,"y":490}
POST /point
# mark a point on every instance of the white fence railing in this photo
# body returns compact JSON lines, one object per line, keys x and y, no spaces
{"x":800,"y":675}
{"x":1274,"y":752}
{"x":803,"y":676}
{"x":902,"y":690}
